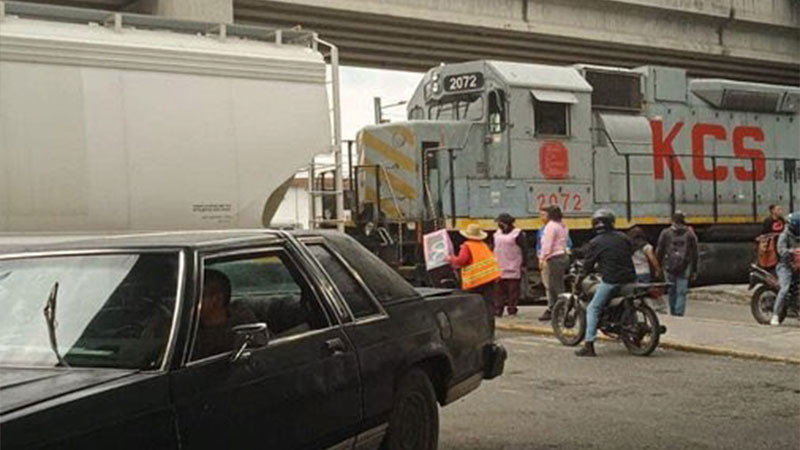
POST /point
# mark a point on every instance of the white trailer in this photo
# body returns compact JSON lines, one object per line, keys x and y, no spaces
{"x":119,"y":122}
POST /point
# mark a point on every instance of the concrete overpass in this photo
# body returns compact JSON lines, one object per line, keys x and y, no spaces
{"x":757,"y":40}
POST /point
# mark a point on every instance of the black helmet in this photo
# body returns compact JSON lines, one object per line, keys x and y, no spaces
{"x":794,"y":223}
{"x":603,"y":219}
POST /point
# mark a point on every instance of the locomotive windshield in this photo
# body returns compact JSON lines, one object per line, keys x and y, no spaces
{"x":461,"y":107}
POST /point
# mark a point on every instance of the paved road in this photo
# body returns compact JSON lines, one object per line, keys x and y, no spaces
{"x":549,"y":399}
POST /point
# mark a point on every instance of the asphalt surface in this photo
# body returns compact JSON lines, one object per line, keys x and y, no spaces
{"x":550,"y":399}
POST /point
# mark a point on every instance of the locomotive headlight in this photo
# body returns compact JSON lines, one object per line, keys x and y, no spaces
{"x":435,"y":77}
{"x":435,"y":88}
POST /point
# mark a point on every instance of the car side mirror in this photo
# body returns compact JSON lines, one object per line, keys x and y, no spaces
{"x":248,"y":336}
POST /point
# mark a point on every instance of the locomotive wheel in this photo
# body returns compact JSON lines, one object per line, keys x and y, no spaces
{"x":762,"y":303}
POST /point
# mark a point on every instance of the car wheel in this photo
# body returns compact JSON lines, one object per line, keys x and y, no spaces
{"x":414,"y":420}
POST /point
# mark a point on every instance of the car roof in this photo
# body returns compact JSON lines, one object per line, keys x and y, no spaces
{"x":28,"y":243}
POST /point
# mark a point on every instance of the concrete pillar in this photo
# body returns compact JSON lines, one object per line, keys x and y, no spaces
{"x":219,"y":11}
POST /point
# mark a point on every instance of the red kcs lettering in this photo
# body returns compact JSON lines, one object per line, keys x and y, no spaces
{"x":663,"y":151}
{"x":702,"y":133}
{"x":760,"y":170}
{"x":699,"y":133}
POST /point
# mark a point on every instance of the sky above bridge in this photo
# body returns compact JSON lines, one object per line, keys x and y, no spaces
{"x":360,"y":86}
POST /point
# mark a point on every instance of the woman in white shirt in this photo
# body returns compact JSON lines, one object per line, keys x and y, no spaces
{"x":644,"y":257}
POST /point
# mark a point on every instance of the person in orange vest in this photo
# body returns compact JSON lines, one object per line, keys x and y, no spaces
{"x":479,"y":268}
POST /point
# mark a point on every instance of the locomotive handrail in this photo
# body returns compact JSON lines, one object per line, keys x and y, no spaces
{"x":789,"y":176}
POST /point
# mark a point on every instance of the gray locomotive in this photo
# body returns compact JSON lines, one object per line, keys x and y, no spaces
{"x":486,"y":137}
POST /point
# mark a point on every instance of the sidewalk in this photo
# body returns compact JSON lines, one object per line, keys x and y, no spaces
{"x":701,"y":331}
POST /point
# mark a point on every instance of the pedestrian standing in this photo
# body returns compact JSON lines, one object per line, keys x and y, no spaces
{"x":677,"y":253}
{"x":479,"y":268}
{"x":554,"y":256}
{"x":775,"y":222}
{"x":543,"y":272}
{"x":509,"y":249}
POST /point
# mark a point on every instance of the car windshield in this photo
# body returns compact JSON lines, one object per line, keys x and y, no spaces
{"x":111,"y":311}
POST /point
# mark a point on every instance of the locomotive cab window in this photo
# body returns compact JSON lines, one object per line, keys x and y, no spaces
{"x":551,"y":112}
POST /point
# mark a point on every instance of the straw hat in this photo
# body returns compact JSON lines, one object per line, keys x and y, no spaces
{"x":474,"y":232}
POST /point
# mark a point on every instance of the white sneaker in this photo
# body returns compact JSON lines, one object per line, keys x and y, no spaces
{"x":774,"y":322}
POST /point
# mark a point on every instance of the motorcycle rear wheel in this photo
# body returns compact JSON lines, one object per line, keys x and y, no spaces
{"x":641,"y":334}
{"x":569,"y":322}
{"x":761,"y":304}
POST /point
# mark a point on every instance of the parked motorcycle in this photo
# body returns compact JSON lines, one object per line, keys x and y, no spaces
{"x":765,"y":287}
{"x":627,"y":316}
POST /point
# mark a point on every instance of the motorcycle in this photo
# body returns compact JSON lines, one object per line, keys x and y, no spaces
{"x":765,"y":287}
{"x":626,"y":317}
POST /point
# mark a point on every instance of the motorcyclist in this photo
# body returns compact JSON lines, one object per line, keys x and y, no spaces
{"x":788,"y":240}
{"x":612,"y":251}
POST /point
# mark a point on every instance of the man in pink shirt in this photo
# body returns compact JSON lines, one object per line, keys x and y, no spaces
{"x":554,"y":256}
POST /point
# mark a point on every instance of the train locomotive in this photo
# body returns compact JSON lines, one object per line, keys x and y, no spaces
{"x":485,"y":137}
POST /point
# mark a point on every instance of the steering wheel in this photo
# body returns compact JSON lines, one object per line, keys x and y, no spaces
{"x":131,"y":329}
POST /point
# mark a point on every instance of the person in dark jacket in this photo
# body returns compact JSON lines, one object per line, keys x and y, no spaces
{"x":775,"y":222}
{"x":677,"y":253}
{"x":612,"y":251}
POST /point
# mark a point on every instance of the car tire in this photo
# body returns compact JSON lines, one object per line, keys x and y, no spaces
{"x":414,"y":420}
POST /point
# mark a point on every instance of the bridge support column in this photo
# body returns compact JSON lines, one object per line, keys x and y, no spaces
{"x":201,"y":10}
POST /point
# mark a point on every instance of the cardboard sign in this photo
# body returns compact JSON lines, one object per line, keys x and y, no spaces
{"x":438,"y":247}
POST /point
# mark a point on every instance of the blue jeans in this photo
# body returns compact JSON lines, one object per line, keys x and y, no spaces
{"x":785,"y":277}
{"x":643,"y":278}
{"x":603,"y":293}
{"x":678,"y":288}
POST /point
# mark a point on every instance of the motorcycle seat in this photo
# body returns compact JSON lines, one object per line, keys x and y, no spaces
{"x":632,"y":290}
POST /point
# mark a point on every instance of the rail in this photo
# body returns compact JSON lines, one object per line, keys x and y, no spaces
{"x":791,"y":174}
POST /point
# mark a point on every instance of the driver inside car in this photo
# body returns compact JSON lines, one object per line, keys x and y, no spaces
{"x":612,"y":252}
{"x":218,"y":316}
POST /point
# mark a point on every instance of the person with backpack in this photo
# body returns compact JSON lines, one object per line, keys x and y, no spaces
{"x":788,"y":269}
{"x":775,"y":222}
{"x":677,"y":252}
{"x":768,"y":240}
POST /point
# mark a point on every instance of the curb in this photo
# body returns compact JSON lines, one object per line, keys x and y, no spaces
{"x":689,"y":348}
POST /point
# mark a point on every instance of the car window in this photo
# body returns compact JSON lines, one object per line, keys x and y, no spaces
{"x":110,"y":311}
{"x":387,"y":285}
{"x":266,"y":287}
{"x":357,"y":298}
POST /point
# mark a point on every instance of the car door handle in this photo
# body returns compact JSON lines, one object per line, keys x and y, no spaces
{"x":335,"y":346}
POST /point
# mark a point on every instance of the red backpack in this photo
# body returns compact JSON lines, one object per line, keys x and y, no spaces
{"x":768,"y":250}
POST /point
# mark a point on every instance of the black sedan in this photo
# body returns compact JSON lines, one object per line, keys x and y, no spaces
{"x":231,"y":339}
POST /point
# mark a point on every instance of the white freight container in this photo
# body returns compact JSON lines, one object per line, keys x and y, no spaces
{"x":132,"y":125}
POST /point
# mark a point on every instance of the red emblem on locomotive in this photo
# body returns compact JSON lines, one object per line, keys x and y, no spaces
{"x":554,"y":160}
